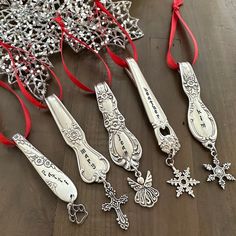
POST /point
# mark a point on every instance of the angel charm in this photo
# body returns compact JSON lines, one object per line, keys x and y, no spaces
{"x":125,"y":149}
{"x":146,"y":195}
{"x":165,"y":135}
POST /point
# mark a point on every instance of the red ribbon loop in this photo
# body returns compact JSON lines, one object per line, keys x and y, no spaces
{"x":73,"y":78}
{"x":177,"y":4}
{"x":3,"y":139}
{"x":176,"y":16}
{"x":21,"y":85}
{"x":118,"y":60}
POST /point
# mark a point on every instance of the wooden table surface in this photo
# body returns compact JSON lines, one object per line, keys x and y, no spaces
{"x":28,"y":207}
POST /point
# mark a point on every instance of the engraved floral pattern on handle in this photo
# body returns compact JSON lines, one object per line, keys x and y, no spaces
{"x":200,"y":120}
{"x":125,"y":149}
{"x":92,"y":165}
{"x":56,"y":180}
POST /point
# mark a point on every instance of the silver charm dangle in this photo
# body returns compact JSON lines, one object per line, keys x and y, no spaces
{"x":218,"y":171}
{"x":115,"y":204}
{"x":92,"y":165}
{"x":202,"y":123}
{"x":56,"y":180}
{"x":166,"y":137}
{"x":182,"y":180}
{"x":125,"y":150}
{"x":146,"y":195}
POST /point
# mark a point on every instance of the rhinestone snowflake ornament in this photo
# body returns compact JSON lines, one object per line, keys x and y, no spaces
{"x":28,"y":25}
{"x":183,"y":182}
{"x":219,"y":171}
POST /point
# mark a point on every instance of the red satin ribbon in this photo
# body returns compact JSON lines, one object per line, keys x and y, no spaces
{"x":79,"y":84}
{"x":118,"y":60}
{"x":3,"y":138}
{"x":21,"y":85}
{"x":176,"y":16}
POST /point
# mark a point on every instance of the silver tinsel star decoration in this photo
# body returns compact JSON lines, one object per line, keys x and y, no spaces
{"x":183,"y":182}
{"x":27,"y":24}
{"x":219,"y":172}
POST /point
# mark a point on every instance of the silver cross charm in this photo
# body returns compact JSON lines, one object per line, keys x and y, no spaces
{"x":115,"y":204}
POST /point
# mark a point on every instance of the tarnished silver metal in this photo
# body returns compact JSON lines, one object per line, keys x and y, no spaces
{"x":183,"y":182}
{"x":146,"y":195}
{"x":125,"y":149}
{"x":29,"y":25}
{"x":57,"y":181}
{"x":202,"y":123}
{"x":165,"y":135}
{"x":93,"y":166}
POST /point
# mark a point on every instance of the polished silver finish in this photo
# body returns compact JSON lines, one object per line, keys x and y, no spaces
{"x":125,"y":149}
{"x":165,"y":135}
{"x":183,"y":182}
{"x":202,"y":123}
{"x":200,"y":120}
{"x":92,"y":165}
{"x":74,"y":212}
{"x":28,"y":25}
{"x":56,"y":180}
{"x":115,"y":204}
{"x":219,"y":171}
{"x":146,"y":195}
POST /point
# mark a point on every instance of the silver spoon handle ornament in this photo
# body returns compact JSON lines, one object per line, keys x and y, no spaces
{"x":202,"y":124}
{"x":56,"y":180}
{"x":93,"y":166}
{"x":165,"y":135}
{"x":125,"y":149}
{"x":200,"y":120}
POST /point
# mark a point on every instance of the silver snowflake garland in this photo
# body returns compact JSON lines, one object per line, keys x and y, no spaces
{"x":28,"y":25}
{"x":183,"y":182}
{"x":219,"y":171}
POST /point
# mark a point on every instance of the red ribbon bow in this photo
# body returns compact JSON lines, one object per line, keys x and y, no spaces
{"x":176,"y":16}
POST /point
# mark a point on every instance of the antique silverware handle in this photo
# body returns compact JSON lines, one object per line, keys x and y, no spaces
{"x":165,"y":135}
{"x":200,"y":120}
{"x":56,"y":180}
{"x":125,"y":149}
{"x":92,"y":165}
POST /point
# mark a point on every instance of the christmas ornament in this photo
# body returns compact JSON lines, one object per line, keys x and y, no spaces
{"x":201,"y":122}
{"x":55,"y":179}
{"x":93,"y":166}
{"x":28,"y":25}
{"x":125,"y":150}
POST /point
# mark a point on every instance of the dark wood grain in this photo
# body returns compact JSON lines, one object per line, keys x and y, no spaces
{"x":27,"y":207}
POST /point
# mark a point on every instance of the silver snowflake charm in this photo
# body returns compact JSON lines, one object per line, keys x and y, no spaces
{"x":183,"y":182}
{"x":219,"y":172}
